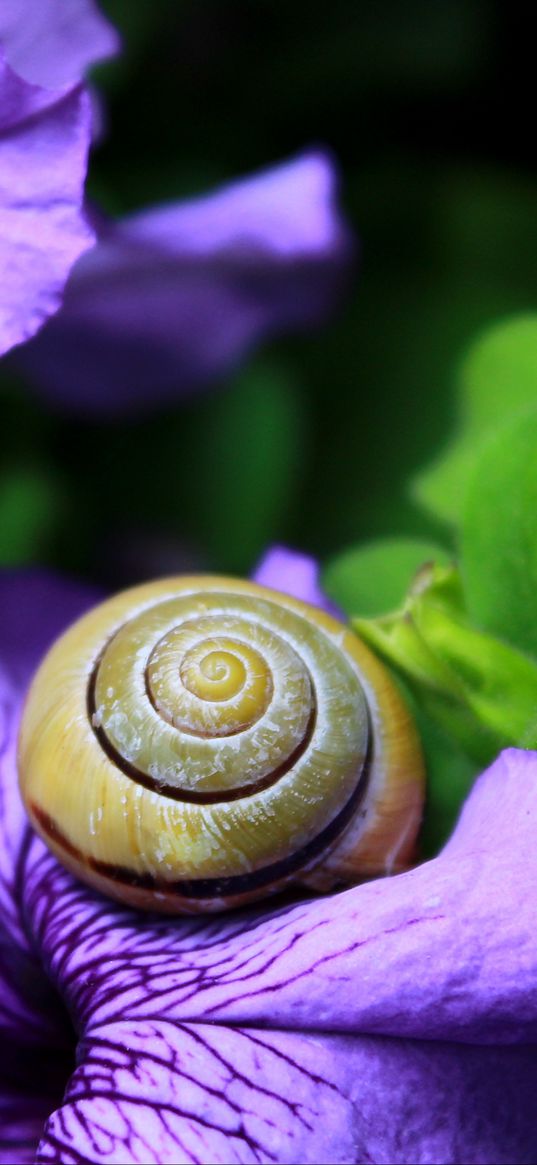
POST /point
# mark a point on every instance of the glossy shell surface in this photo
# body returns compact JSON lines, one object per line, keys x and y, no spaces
{"x":199,"y":742}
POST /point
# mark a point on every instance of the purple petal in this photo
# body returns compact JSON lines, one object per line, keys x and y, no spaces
{"x":22,"y":1116}
{"x":32,"y":1083}
{"x":28,"y":1007}
{"x":35,"y":1035}
{"x":262,"y":1036}
{"x":35,"y":608}
{"x":199,"y":1092}
{"x":44,"y":140}
{"x":51,"y":42}
{"x":176,"y":296}
{"x":454,"y":937}
{"x":295,"y":574}
{"x":447,"y":951}
{"x":162,"y":1092}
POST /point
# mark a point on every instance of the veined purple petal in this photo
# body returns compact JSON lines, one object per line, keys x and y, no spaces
{"x":53,"y":42}
{"x":203,"y":1093}
{"x":44,"y":138}
{"x":295,"y":574}
{"x":454,"y":937}
{"x":176,"y":296}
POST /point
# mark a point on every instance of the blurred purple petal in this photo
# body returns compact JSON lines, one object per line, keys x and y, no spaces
{"x":176,"y":296}
{"x":28,"y":1007}
{"x":53,"y":42}
{"x":32,"y":1083}
{"x":35,"y":607}
{"x":22,"y":1116}
{"x":35,"y":1034}
{"x":297,"y":575}
{"x":44,"y":140}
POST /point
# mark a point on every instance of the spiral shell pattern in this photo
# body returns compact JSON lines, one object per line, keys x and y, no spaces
{"x":199,"y":741}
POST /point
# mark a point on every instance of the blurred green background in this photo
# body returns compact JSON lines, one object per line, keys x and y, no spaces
{"x":316,"y":440}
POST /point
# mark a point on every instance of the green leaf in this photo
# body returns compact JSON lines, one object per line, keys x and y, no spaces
{"x":249,"y":456}
{"x":497,"y":381}
{"x":481,"y":691}
{"x":450,"y":775}
{"x":374,"y":577}
{"x":499,"y":375}
{"x":30,"y":508}
{"x":499,"y":535}
{"x":442,"y":486}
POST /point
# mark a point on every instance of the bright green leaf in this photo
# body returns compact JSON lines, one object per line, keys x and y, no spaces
{"x":499,"y":535}
{"x":480,"y":690}
{"x":374,"y":577}
{"x":497,"y":381}
{"x":499,"y":375}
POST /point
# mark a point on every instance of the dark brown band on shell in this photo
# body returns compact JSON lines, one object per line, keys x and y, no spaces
{"x":188,"y":795}
{"x":237,"y":884}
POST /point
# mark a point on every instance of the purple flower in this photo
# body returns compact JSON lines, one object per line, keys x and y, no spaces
{"x":44,"y":138}
{"x":175,"y":296}
{"x":295,"y":574}
{"x":52,"y":43}
{"x":171,"y":297}
{"x":394,"y":1022}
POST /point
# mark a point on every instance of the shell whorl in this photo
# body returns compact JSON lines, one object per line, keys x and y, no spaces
{"x":197,"y":742}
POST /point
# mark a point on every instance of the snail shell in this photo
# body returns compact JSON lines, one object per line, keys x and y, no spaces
{"x":200,"y":742}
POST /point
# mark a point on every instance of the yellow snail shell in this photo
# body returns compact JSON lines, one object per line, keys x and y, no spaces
{"x":197,"y":743}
